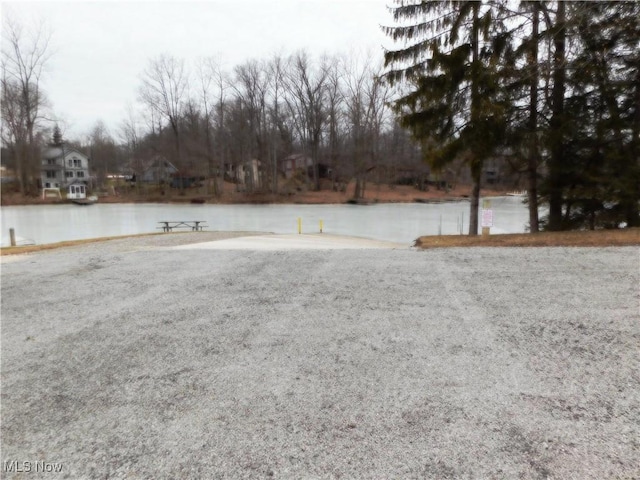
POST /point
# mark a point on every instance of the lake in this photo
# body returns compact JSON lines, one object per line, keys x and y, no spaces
{"x":396,"y":222}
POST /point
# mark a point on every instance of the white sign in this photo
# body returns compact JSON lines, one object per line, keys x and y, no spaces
{"x":487,"y":218}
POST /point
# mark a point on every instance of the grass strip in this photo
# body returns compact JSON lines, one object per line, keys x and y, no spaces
{"x":588,"y":238}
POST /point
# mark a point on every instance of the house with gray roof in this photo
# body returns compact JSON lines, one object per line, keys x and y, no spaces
{"x":63,"y":166}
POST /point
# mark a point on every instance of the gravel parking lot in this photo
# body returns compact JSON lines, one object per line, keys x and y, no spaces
{"x":142,"y":358}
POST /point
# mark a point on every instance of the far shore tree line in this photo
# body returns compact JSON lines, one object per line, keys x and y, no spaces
{"x":332,"y":113}
{"x":547,"y":90}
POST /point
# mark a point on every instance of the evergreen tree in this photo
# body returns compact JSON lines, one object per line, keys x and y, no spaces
{"x":455,"y":107}
{"x":592,"y":170}
{"x":610,"y":64}
{"x":57,"y":135}
{"x":521,"y":78}
{"x":558,"y":171}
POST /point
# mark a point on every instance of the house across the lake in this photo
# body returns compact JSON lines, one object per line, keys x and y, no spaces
{"x":158,"y":170}
{"x":62,"y":167}
{"x":247,"y":174}
{"x":294,"y":163}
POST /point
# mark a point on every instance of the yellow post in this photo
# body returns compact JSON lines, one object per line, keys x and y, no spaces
{"x":299,"y":225}
{"x":320,"y":226}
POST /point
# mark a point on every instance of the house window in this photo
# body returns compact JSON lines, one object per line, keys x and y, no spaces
{"x":77,"y":163}
{"x":68,"y":174}
{"x":70,"y":162}
{"x":81,"y":174}
{"x":51,"y":174}
{"x":51,"y":161}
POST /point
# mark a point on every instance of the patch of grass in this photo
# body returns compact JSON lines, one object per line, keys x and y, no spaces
{"x":69,"y":243}
{"x":595,"y":238}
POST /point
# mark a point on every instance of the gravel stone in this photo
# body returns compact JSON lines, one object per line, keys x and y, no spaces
{"x":128,"y":359}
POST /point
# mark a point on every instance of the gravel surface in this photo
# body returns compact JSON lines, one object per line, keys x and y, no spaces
{"x":130,"y":359}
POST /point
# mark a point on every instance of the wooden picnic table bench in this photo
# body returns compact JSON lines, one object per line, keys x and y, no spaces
{"x":194,"y":225}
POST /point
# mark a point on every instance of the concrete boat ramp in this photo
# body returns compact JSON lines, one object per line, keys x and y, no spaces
{"x":293,"y":242}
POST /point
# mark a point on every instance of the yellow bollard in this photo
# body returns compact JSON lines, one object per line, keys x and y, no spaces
{"x":320,"y":226}
{"x":299,"y":225}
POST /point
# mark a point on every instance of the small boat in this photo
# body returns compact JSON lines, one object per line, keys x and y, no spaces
{"x":85,"y":201}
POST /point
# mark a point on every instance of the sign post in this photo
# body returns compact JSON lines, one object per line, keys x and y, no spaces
{"x":487,"y":218}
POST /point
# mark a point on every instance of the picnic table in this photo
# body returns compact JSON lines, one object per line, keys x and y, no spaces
{"x":194,"y":225}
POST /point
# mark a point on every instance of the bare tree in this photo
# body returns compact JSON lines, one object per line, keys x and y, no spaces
{"x":306,"y":88}
{"x":251,"y":88}
{"x":164,"y":91}
{"x":24,"y":56}
{"x":366,"y":105}
{"x":222,"y":85}
{"x":335,"y":103}
{"x":102,"y":151}
{"x":212,"y":96}
{"x":130,"y":137}
{"x":275,"y":70}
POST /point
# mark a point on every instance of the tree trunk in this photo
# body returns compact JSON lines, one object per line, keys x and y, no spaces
{"x":20,"y":166}
{"x":557,"y":141}
{"x":532,"y":167}
{"x":212,"y":184}
{"x":476,"y":173}
{"x":222,"y":143}
{"x":631,"y":207}
{"x":176,"y":132}
{"x":356,"y":193}
{"x":314,"y":156}
{"x":476,"y":163}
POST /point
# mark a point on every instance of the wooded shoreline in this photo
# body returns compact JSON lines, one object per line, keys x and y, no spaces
{"x":374,"y":194}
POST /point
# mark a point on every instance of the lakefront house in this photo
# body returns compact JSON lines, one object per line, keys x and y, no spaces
{"x":64,"y":167}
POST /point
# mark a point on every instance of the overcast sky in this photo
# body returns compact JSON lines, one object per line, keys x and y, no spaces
{"x":99,"y":49}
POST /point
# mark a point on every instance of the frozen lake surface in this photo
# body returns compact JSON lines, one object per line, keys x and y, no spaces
{"x":394,"y":222}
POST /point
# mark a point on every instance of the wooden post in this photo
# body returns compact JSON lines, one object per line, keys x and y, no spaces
{"x":12,"y":236}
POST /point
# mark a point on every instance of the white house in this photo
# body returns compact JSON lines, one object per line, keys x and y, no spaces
{"x":247,"y":173}
{"x":63,"y":166}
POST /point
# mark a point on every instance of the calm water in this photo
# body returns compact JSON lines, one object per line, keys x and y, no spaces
{"x":393,"y":222}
